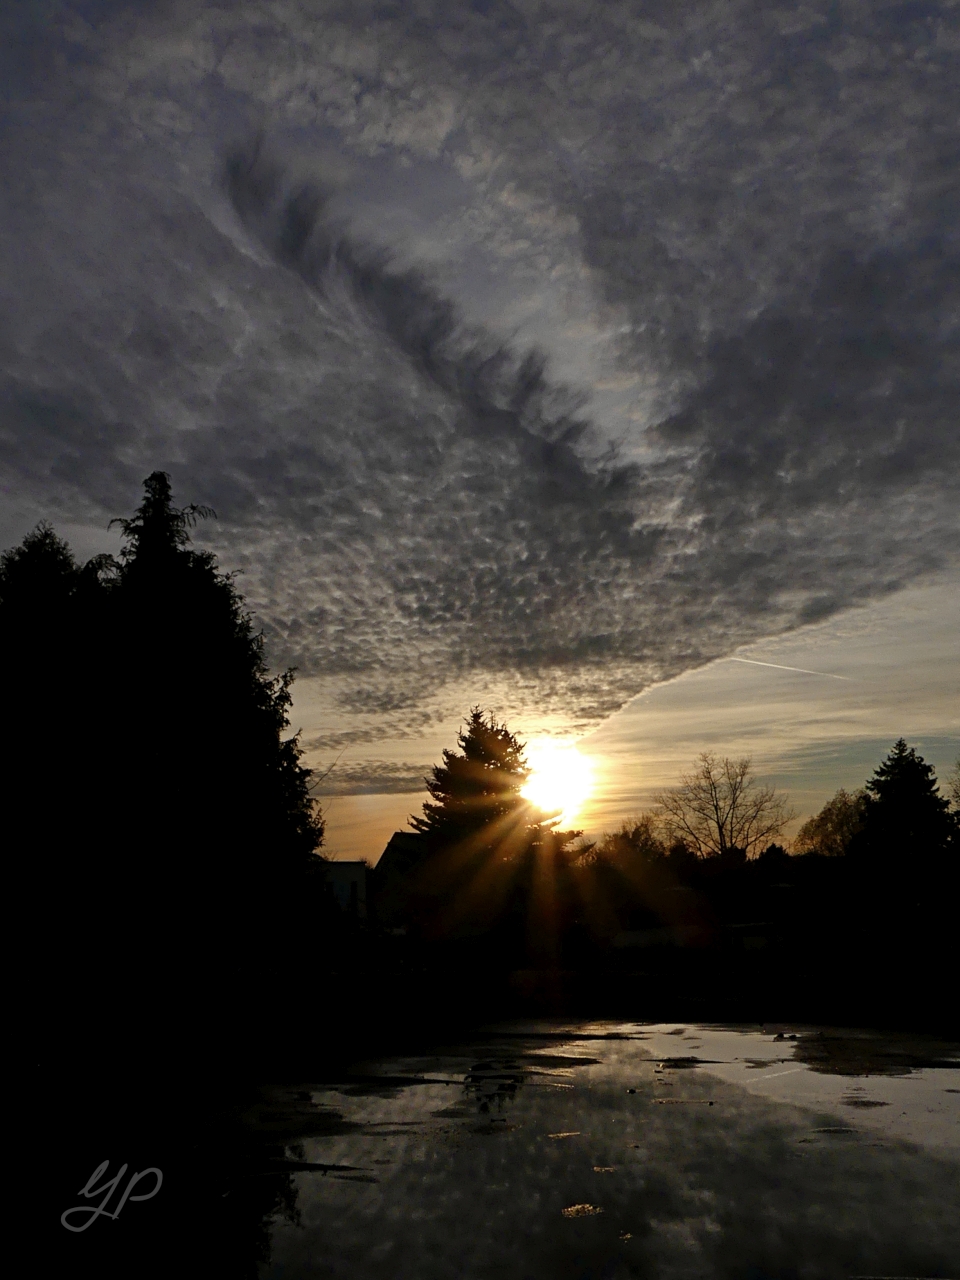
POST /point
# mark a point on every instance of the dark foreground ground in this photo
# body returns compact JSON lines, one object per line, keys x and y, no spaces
{"x":565,"y":1149}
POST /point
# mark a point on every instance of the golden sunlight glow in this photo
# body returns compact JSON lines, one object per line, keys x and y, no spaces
{"x":560,"y":781}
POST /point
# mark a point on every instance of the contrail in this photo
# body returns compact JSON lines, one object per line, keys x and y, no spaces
{"x":803,"y":670}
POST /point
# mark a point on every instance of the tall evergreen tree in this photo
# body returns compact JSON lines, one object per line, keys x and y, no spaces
{"x":233,"y":794}
{"x":51,"y":614}
{"x":491,"y":862}
{"x":476,"y":790}
{"x":904,"y":815}
{"x":152,"y":787}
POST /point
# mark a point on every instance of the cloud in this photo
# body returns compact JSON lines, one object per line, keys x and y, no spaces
{"x":742,"y":223}
{"x":373,"y":777}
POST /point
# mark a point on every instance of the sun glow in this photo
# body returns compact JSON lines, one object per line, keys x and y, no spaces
{"x":561,"y":779}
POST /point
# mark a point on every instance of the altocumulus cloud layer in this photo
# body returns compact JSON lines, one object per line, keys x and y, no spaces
{"x":250,"y":243}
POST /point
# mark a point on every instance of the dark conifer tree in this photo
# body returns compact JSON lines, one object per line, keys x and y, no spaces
{"x":902,"y":913}
{"x":50,"y":623}
{"x":38,"y":576}
{"x":476,"y":790}
{"x":165,"y":815}
{"x":904,"y":816}
{"x":224,"y":783}
{"x":213,"y":798}
{"x":492,"y":863}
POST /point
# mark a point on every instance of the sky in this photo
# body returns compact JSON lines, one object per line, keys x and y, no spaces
{"x":556,"y":357}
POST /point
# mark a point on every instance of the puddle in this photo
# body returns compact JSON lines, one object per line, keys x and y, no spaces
{"x":864,"y":1054}
{"x":598,"y":1149}
{"x":905,"y":1086}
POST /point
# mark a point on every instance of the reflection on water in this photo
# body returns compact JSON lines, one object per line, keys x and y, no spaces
{"x":606,"y":1150}
{"x":493,"y":1083}
{"x":860,"y":1053}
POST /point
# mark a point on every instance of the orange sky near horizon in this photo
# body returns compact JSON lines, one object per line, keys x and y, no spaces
{"x":807,"y":733}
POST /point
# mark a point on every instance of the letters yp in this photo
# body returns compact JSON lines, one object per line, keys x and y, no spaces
{"x":107,"y":1190}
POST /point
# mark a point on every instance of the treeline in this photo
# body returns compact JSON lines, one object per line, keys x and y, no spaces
{"x":158,"y":814}
{"x":856,"y":922}
{"x":177,"y":938}
{"x":174,"y":891}
{"x":691,"y":909}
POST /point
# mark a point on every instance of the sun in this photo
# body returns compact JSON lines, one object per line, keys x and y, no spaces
{"x":561,"y":779}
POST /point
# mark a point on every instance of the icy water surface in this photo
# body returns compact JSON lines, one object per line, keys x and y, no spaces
{"x":625,"y":1150}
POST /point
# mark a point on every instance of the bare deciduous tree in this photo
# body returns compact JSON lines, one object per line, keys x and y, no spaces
{"x":720,"y":806}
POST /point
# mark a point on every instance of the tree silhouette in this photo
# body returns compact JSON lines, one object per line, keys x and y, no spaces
{"x":165,"y":813}
{"x":476,"y":791}
{"x":37,"y":578}
{"x":490,"y":861}
{"x":955,"y":784}
{"x":55,"y":794}
{"x":904,"y":813}
{"x":719,"y":807}
{"x":194,"y":668}
{"x":636,"y":842}
{"x":831,"y":831}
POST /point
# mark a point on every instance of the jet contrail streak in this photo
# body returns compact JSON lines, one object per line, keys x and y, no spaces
{"x":779,"y":667}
